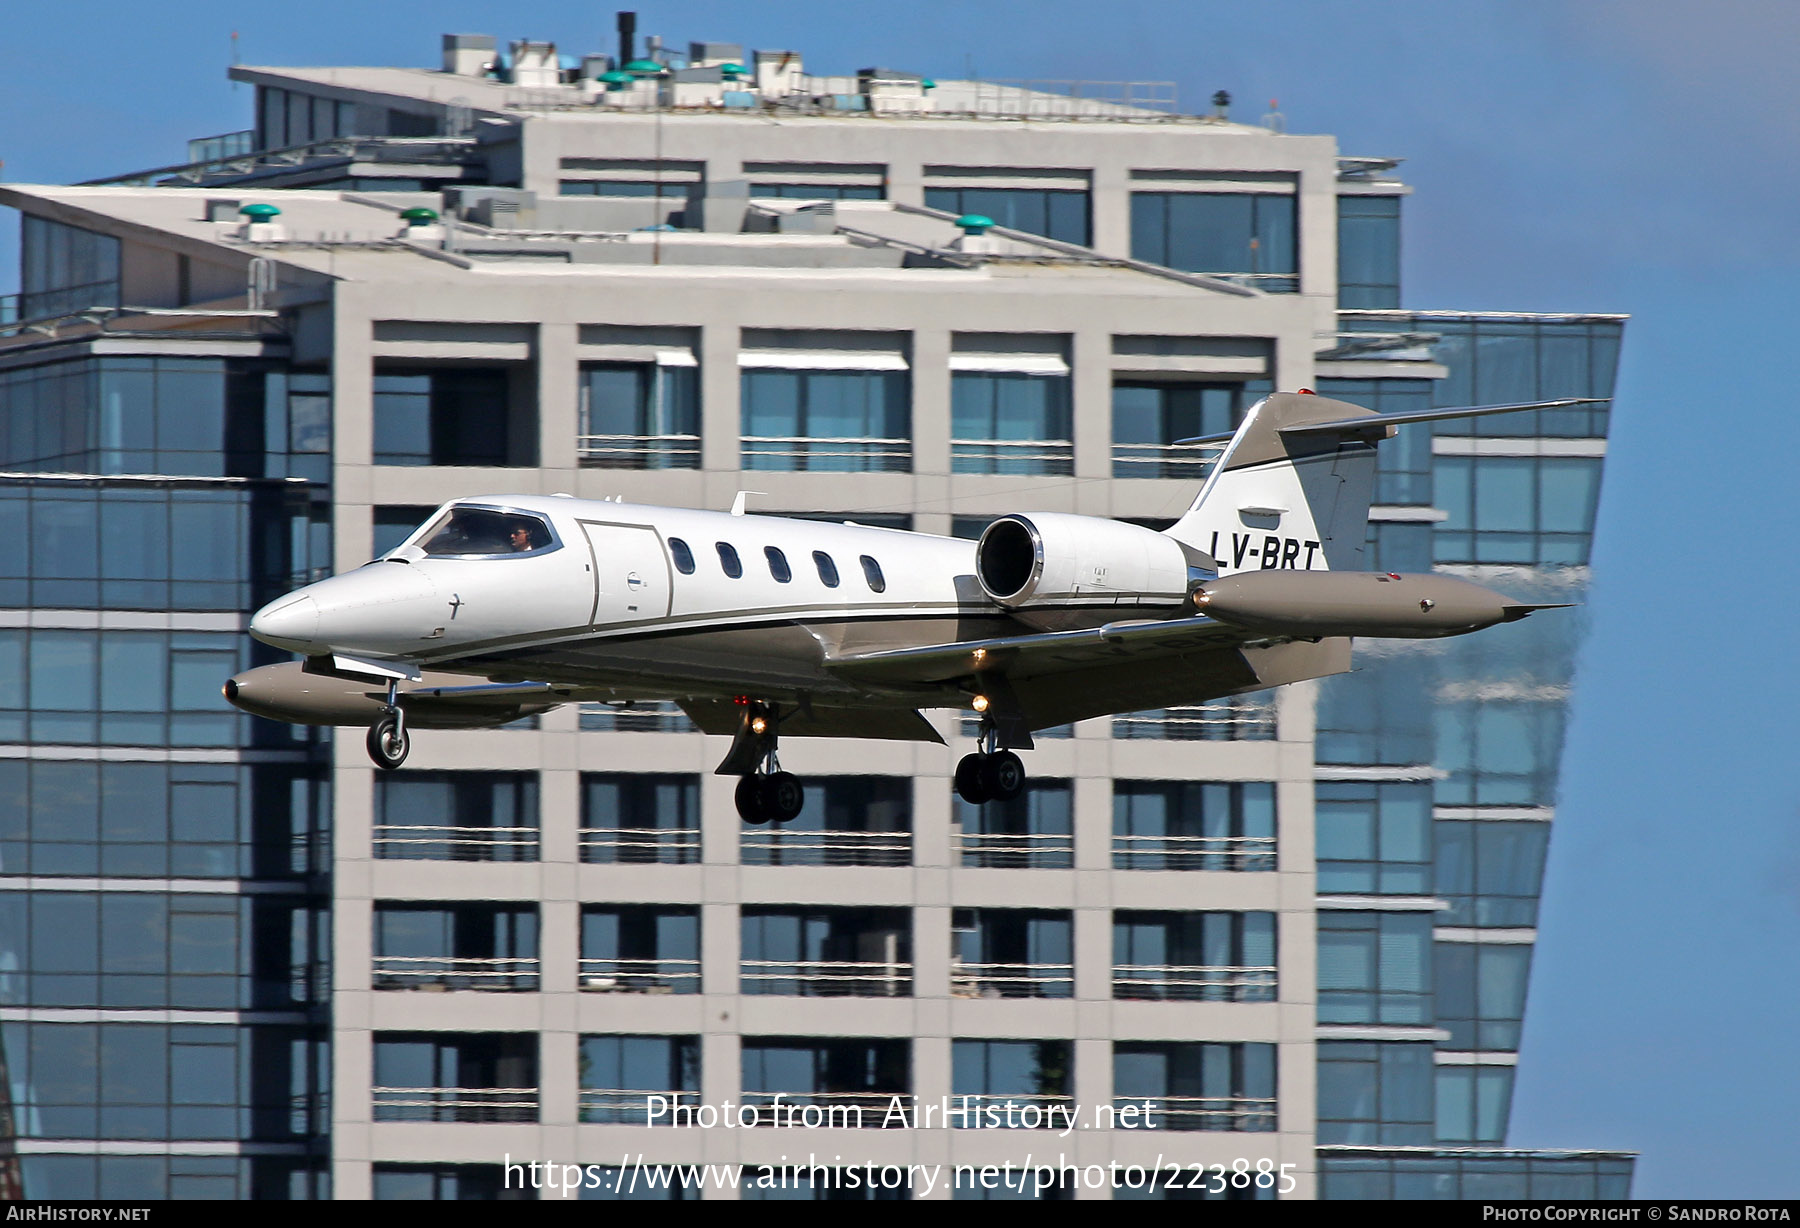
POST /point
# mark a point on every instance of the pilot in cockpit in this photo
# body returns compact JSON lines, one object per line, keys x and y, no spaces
{"x":520,"y":537}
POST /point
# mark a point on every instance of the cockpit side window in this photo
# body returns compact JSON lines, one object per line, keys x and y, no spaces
{"x":484,"y":531}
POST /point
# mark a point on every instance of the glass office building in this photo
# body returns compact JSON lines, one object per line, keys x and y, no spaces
{"x":236,"y":961}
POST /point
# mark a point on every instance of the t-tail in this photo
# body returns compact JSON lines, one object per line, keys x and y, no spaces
{"x":1283,"y":498}
{"x":1291,"y":490}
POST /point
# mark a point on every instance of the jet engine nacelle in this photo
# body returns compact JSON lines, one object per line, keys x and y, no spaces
{"x":1055,"y":559}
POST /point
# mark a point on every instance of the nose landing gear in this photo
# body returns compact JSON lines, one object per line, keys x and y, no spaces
{"x":990,"y":774}
{"x":388,"y":740}
{"x":765,"y":793}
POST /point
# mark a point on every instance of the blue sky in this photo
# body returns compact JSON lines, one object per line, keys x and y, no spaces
{"x":1578,"y":155}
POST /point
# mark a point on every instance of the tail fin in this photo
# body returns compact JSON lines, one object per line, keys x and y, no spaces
{"x":1282,"y":496}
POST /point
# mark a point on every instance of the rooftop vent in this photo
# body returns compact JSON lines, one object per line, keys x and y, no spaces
{"x":468,"y":55}
{"x":534,"y":65}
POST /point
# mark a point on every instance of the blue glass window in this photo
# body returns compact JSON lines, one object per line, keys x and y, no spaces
{"x":1373,"y":838}
{"x":1368,"y":251}
{"x":847,"y":821}
{"x":826,"y":952}
{"x":1148,"y":417}
{"x":1473,"y":1103}
{"x":1035,"y":830}
{"x":1375,"y":1093}
{"x":457,"y":816}
{"x":619,"y":1074}
{"x":1012,"y":953}
{"x":1480,"y":993}
{"x":1010,"y":422}
{"x":640,"y":948}
{"x":1375,"y":967}
{"x":447,"y":416}
{"x":1247,"y":236}
{"x":1055,"y":213}
{"x":1194,"y":956}
{"x":1198,"y":1086}
{"x":640,"y":817}
{"x":640,"y":416}
{"x":1491,"y":872}
{"x":827,"y":421}
{"x":65,"y":269}
{"x":1193,"y":825}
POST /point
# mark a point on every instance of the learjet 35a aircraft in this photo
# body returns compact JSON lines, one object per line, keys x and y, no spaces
{"x":762,"y":626}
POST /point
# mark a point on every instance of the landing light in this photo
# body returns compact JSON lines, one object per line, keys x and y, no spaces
{"x":759,"y":725}
{"x":979,"y":703}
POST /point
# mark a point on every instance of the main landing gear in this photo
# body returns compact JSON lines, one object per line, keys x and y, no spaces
{"x":990,"y":774}
{"x":388,"y":740}
{"x":765,"y":793}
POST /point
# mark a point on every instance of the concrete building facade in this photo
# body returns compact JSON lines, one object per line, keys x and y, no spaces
{"x":403,"y":287}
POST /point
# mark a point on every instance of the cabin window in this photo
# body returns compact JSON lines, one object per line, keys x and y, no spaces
{"x":828,"y":575}
{"x":872,"y":573}
{"x":684,"y":558}
{"x":778,"y":564}
{"x":728,"y":559}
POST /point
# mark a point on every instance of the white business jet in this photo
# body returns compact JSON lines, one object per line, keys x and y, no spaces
{"x":760,"y":626}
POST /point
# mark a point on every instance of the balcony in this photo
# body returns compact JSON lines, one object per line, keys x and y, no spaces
{"x":1027,"y":457}
{"x":459,"y":946}
{"x":502,"y":974}
{"x":1187,"y":462}
{"x":640,"y":948}
{"x":436,"y":842}
{"x":847,"y":821}
{"x":456,"y":1104}
{"x":1034,"y":831}
{"x":638,"y":451}
{"x":667,"y":845}
{"x":1011,"y":953}
{"x":821,"y":978}
{"x":456,"y":1076}
{"x":1193,"y":983}
{"x":1242,"y":719}
{"x":640,"y":975}
{"x":1012,"y":980}
{"x":827,"y":454}
{"x":827,"y":952}
{"x":644,"y":716}
{"x":829,"y":1110}
{"x":1228,"y":853}
{"x":1240,"y":1113}
{"x":1002,"y":1110}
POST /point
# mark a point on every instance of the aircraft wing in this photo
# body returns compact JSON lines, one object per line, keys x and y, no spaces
{"x":1053,"y":678}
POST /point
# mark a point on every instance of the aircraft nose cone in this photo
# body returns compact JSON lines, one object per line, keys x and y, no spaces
{"x":292,"y":623}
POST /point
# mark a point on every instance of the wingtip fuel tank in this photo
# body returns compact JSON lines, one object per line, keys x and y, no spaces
{"x":1388,"y":605}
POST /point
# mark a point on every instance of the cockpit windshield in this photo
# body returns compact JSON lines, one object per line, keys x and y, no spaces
{"x":480,"y":530}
